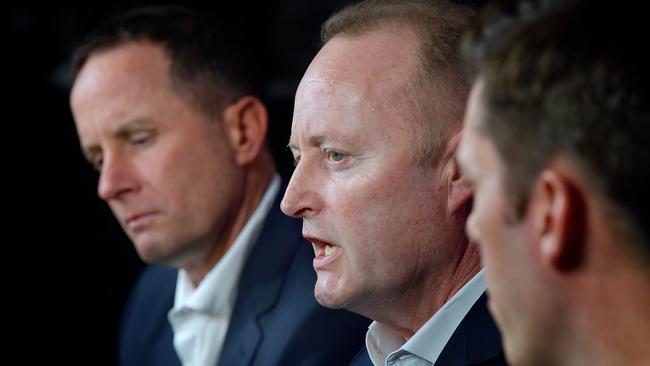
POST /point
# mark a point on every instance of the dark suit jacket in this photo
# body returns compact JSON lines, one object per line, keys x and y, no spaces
{"x":476,"y":341}
{"x":275,"y":321}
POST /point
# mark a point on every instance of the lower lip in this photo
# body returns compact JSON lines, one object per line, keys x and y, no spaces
{"x":321,"y":261}
{"x":139,"y":222}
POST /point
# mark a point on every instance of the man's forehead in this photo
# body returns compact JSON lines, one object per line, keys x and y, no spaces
{"x":318,"y":88}
{"x":126,"y":60}
{"x":351,"y":86}
{"x":326,"y":89}
{"x":375,"y":56}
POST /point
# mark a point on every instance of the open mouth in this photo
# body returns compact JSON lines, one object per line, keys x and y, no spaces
{"x":324,"y":252}
{"x":322,"y":248}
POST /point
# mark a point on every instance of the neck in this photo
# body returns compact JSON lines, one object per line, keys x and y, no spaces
{"x":256,"y":180}
{"x":608,"y":305}
{"x":614,"y":320}
{"x":414,"y":306}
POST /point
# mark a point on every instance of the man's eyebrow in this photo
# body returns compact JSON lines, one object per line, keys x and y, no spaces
{"x":313,"y":141}
{"x":316,"y":140}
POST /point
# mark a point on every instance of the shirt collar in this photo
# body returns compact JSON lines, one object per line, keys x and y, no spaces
{"x":429,"y":341}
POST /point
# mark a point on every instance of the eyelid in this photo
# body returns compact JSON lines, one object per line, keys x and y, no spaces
{"x":328,"y":155}
{"x":96,"y":162}
{"x":141,"y":138}
{"x":140,"y":135}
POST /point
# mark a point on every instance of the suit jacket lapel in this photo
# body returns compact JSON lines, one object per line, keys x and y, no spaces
{"x":476,"y":340}
{"x":260,"y":284}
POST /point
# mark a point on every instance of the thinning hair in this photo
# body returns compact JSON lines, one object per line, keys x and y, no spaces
{"x":438,"y":88}
{"x":209,"y":66}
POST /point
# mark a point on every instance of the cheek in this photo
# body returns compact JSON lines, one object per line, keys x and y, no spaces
{"x":354,"y":216}
{"x":193,"y":176}
{"x":350,"y":216}
{"x":382,"y":218}
{"x":368,"y":202}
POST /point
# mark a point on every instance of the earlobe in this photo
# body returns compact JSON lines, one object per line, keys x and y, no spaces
{"x":557,"y":210}
{"x":246,"y":123}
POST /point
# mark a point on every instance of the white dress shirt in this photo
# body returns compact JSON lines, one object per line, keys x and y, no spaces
{"x":201,"y":315}
{"x":386,"y":347}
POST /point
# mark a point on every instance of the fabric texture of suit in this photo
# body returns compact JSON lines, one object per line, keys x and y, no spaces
{"x":476,"y":341}
{"x":275,"y":320}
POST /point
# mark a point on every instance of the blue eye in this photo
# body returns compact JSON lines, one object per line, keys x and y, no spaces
{"x":335,"y":155}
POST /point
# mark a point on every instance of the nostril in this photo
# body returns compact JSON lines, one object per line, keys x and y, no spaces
{"x":303,"y":212}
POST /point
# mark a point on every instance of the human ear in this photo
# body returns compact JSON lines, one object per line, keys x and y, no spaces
{"x":246,"y":122}
{"x":558,"y":216}
{"x":459,"y":191}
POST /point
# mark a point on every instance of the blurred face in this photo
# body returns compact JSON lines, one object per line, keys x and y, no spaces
{"x":520,"y":300}
{"x":166,"y":171}
{"x":369,"y":211}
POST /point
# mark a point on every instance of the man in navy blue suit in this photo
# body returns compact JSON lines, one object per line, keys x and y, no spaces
{"x":165,"y":110}
{"x":377,"y":120}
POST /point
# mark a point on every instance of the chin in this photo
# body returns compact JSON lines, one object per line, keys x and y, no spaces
{"x":327,"y":299}
{"x":149,"y":255}
{"x":328,"y":295}
{"x":151,"y":252}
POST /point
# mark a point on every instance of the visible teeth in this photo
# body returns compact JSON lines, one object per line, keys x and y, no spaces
{"x":329,"y":249}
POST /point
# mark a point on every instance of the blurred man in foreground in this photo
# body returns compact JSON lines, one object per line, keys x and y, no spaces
{"x":557,"y":142}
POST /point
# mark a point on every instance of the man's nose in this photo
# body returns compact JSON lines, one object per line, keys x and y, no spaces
{"x":115,"y":178}
{"x":301,"y":199}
